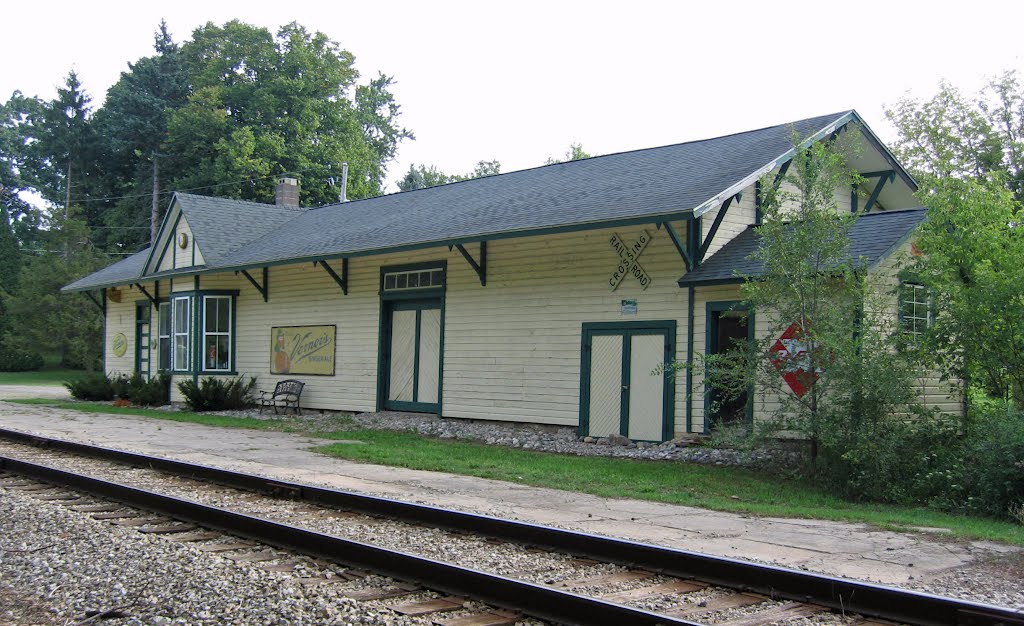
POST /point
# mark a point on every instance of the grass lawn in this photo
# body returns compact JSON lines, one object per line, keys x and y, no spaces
{"x":45,"y":376}
{"x":719,"y":488}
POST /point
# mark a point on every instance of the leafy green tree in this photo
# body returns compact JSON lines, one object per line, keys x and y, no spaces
{"x":262,"y":105}
{"x":952,"y":135}
{"x":45,"y":321}
{"x":420,"y":176}
{"x":574,"y":153}
{"x":131,"y":128}
{"x":968,"y":154}
{"x":840,"y":319}
{"x":64,"y":140}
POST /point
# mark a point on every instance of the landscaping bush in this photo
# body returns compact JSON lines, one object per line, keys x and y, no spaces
{"x":902,"y":461}
{"x":98,"y":387}
{"x":14,"y":360}
{"x":217,"y":394}
{"x":928,"y":461}
{"x":94,"y":387}
{"x":153,"y":392}
{"x":992,"y":466}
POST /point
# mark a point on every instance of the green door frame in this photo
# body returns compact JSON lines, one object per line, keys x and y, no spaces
{"x":418,"y":300}
{"x":710,"y":331}
{"x":142,"y":359}
{"x":626,"y":330}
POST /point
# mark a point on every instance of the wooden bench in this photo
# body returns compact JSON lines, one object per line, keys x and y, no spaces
{"x":287,"y":393}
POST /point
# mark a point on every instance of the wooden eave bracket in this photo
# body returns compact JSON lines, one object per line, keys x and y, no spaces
{"x":102,"y":302}
{"x":481,"y":267}
{"x":264,"y":289}
{"x":714,"y":225}
{"x":155,"y":299}
{"x":883,"y":176}
{"x":341,"y":280}
{"x":776,"y":182}
{"x":684,"y":249}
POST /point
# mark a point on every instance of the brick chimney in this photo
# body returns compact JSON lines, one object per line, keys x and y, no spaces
{"x":288,"y":193}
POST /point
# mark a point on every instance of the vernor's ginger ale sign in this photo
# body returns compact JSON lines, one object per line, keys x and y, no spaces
{"x":302,"y":350}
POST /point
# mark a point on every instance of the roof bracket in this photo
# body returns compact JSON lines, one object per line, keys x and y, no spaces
{"x":102,"y":302}
{"x":776,"y":183}
{"x":264,"y":289}
{"x":883,"y":177}
{"x":341,"y":280}
{"x":481,"y":267}
{"x":674,"y":236}
{"x":155,"y":300}
{"x":714,"y":225}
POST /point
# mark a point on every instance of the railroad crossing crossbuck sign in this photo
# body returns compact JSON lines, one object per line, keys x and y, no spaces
{"x":628,"y":255}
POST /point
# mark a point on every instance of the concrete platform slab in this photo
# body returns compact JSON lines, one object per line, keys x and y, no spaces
{"x":842,"y":549}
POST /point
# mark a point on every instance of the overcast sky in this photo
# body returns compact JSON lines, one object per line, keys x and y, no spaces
{"x":520,"y":81}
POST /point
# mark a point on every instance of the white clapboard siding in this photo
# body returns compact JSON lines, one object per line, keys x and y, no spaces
{"x":737,"y":218}
{"x":513,"y":348}
{"x":121,"y":319}
{"x":177,"y":257}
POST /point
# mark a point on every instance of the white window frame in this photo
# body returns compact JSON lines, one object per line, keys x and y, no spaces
{"x":164,"y":332}
{"x":917,"y":295}
{"x":426,"y":278}
{"x":228,"y":333}
{"x":186,"y":301}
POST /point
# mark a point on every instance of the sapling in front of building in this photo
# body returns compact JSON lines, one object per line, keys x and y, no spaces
{"x":550,"y":295}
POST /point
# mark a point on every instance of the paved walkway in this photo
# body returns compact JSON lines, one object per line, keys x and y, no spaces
{"x":848,"y":550}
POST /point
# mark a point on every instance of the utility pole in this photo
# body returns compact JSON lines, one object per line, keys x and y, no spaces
{"x":154,"y":210}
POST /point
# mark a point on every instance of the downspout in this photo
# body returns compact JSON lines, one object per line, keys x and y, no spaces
{"x":690,"y":295}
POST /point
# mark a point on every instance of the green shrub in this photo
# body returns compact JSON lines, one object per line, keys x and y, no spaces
{"x":93,"y":387}
{"x":153,"y":392}
{"x":14,"y":360}
{"x":992,"y":467}
{"x":902,"y":461}
{"x":217,"y":394}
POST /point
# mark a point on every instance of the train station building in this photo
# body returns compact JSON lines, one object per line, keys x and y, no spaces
{"x":547,"y":295}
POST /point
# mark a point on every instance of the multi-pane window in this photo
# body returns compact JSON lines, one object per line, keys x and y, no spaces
{"x":413,"y":279}
{"x":915,"y":310}
{"x":164,"y":336}
{"x":180,"y":333}
{"x":217,"y":333}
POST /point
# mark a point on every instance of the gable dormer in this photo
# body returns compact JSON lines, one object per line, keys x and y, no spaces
{"x":176,"y":247}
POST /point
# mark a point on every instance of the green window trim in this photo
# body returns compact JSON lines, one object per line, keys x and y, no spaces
{"x":217,"y":329}
{"x":188,"y":310}
{"x":181,"y":344}
{"x":710,"y":323}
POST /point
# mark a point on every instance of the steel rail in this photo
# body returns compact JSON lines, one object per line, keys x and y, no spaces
{"x":535,"y":600}
{"x":840,"y":594}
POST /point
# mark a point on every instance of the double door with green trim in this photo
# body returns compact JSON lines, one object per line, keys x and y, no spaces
{"x":624,"y":388}
{"x":413,"y":355}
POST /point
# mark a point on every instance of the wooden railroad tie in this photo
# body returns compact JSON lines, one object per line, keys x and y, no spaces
{"x":426,"y":607}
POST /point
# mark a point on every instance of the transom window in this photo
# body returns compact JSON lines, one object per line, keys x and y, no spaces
{"x":217,"y":333}
{"x":915,"y":310}
{"x":413,"y":279}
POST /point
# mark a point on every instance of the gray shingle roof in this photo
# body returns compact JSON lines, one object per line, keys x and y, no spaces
{"x":124,"y":271}
{"x":872,"y":238}
{"x":628,"y":185}
{"x":221,"y":226}
{"x":642,"y":185}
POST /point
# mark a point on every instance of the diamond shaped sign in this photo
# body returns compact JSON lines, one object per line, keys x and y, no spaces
{"x":789,"y":355}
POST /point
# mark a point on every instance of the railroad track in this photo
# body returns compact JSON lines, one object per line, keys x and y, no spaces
{"x":681,"y":587}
